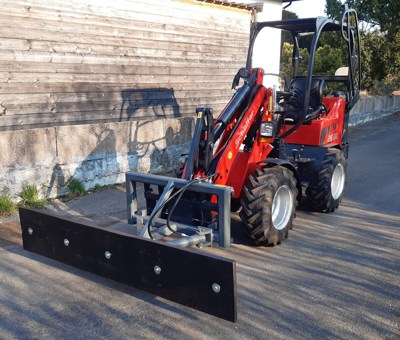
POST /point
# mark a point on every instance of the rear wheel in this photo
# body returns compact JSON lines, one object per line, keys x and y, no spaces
{"x":326,"y":191}
{"x":268,"y":205}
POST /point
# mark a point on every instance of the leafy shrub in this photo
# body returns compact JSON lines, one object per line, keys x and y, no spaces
{"x":76,"y":188}
{"x":30,"y":197}
{"x":7,"y":206}
{"x":99,"y":187}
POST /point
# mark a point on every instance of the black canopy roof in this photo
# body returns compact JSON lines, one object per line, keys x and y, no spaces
{"x":302,"y":25}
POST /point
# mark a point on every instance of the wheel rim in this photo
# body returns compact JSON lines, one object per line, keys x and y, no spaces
{"x":337,"y":181}
{"x":282,"y":206}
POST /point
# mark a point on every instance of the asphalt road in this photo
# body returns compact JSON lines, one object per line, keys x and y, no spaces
{"x":337,"y":276}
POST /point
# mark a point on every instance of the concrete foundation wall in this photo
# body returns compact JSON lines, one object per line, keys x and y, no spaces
{"x":95,"y":154}
{"x":371,"y":108}
{"x":100,"y":154}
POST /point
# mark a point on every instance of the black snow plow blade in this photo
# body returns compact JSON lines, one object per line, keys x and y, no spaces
{"x":188,"y":277}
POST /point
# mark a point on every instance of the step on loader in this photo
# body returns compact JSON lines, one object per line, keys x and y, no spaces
{"x":260,"y":156}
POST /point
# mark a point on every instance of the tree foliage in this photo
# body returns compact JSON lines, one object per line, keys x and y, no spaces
{"x":383,"y":14}
{"x":380,"y":40}
{"x":381,"y":62}
{"x":286,"y":60}
{"x":327,"y":60}
{"x":380,"y":45}
{"x":287,"y":15}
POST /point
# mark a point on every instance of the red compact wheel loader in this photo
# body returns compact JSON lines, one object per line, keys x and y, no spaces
{"x":266,"y":148}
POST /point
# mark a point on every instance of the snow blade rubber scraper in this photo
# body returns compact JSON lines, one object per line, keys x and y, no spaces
{"x":268,"y":149}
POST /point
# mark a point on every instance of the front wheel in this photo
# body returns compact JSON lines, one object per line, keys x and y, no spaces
{"x":326,"y":190}
{"x":268,"y":205}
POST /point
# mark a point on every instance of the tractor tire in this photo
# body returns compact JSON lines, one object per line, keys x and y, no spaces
{"x":268,"y":205}
{"x":325,"y":192}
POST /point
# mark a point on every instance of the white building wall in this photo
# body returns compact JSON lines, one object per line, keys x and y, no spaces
{"x":267,"y":47}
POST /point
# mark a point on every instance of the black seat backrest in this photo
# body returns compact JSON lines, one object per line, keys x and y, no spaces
{"x":298,"y":89}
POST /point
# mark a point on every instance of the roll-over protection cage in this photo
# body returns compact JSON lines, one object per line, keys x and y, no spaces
{"x":348,"y":27}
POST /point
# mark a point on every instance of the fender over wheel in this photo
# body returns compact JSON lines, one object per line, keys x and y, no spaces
{"x":326,"y":190}
{"x":268,"y":205}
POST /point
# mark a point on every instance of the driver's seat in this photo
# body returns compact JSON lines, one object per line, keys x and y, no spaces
{"x":295,"y":102}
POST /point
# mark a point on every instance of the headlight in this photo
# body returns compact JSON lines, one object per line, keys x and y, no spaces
{"x":267,"y":129}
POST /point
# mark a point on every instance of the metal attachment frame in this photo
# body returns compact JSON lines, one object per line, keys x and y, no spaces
{"x":222,"y":232}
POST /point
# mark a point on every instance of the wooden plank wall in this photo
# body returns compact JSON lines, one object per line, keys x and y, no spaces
{"x":80,"y":61}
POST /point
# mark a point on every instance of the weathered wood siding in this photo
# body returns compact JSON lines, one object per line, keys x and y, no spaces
{"x":81,"y":61}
